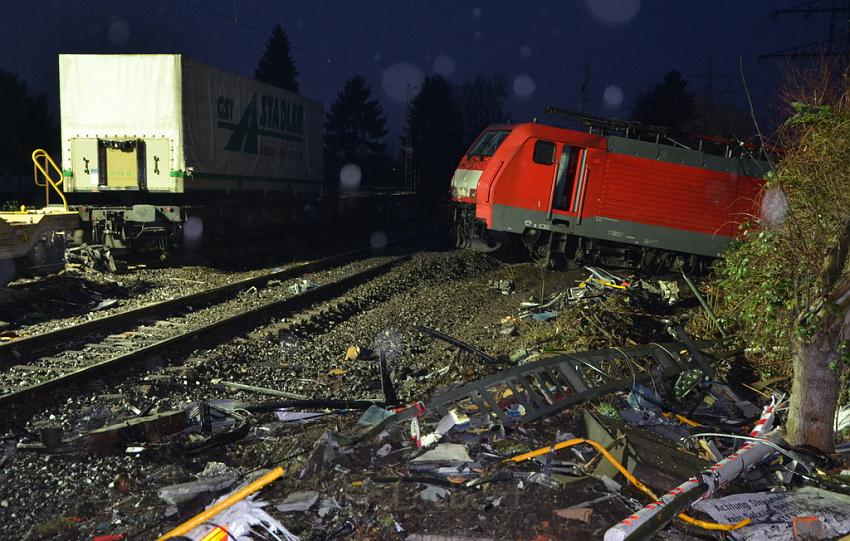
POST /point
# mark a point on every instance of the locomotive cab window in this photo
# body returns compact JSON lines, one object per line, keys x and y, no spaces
{"x":487,"y":144}
{"x":544,"y":152}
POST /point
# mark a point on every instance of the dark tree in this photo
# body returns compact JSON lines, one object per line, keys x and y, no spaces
{"x":354,"y":129}
{"x":724,"y":120}
{"x":667,"y":103}
{"x":480,"y":102}
{"x":435,"y":134}
{"x":25,"y":125}
{"x":276,"y":66}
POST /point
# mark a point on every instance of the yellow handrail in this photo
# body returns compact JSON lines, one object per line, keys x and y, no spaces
{"x":48,"y":182}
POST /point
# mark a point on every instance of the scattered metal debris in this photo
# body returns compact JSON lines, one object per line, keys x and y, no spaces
{"x":298,"y":502}
{"x":94,"y":256}
{"x":479,"y":435}
{"x":261,"y":390}
{"x":505,"y":287}
{"x":301,"y":286}
{"x":459,"y":344}
{"x":559,"y":380}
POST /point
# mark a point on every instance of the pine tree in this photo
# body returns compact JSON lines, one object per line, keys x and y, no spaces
{"x":666,"y":104}
{"x":435,"y":126}
{"x":25,"y":125}
{"x":355,"y":125}
{"x":276,"y":66}
{"x":481,"y":103}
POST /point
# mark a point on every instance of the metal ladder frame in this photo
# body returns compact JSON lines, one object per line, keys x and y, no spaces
{"x":561,"y":380}
{"x":39,"y":155}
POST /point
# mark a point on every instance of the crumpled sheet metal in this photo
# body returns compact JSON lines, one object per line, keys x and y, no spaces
{"x":708,"y":482}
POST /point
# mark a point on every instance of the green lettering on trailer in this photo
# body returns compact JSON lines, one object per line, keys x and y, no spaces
{"x":286,"y":121}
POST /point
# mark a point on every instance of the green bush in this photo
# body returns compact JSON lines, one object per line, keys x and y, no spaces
{"x":771,"y":279}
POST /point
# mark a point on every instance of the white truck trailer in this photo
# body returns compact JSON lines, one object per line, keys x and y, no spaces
{"x":150,"y":140}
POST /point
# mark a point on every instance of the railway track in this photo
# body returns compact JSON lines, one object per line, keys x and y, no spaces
{"x":48,"y":361}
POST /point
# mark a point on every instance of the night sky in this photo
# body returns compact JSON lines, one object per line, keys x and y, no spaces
{"x":540,"y":47}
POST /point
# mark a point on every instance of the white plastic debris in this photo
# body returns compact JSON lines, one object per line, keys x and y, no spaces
{"x":433,"y":493}
{"x":296,"y":416}
{"x":104,"y":304}
{"x":244,"y":520}
{"x":610,"y":484}
{"x":301,"y":286}
{"x":449,"y":421}
{"x":445,"y":453}
{"x":298,"y":502}
{"x":183,"y":492}
{"x":669,"y":291}
{"x":326,"y":505}
{"x":771,"y":512}
{"x":842,"y":419}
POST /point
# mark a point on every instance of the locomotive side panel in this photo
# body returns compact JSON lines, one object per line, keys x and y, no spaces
{"x":641,"y":202}
{"x":671,"y":198}
{"x":748,"y":202}
{"x":557,"y":186}
{"x":667,"y":195}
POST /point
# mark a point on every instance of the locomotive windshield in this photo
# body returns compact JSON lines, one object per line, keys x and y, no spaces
{"x":489,"y":141}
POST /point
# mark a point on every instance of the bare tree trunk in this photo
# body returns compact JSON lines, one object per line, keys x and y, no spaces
{"x":814,"y":389}
{"x":817,"y":363}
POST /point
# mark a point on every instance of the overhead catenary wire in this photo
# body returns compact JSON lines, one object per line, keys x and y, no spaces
{"x":264,"y":33}
{"x":162,"y":30}
{"x":318,"y":31}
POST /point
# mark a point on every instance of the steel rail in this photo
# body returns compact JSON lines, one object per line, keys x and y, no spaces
{"x":12,"y":352}
{"x":234,"y":322}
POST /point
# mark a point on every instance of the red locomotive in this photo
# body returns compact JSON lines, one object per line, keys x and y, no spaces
{"x":611,"y":199}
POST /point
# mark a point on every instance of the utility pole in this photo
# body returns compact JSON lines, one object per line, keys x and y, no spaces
{"x":837,"y":43}
{"x":585,"y":89}
{"x":711,"y":94}
{"x":409,"y":177}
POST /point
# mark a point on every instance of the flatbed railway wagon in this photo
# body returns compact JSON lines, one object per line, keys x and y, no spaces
{"x":583,"y":197}
{"x":33,"y":240}
{"x":158,"y":149}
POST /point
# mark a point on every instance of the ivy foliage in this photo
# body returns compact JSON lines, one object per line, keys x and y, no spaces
{"x":771,"y":277}
{"x":806,"y":114}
